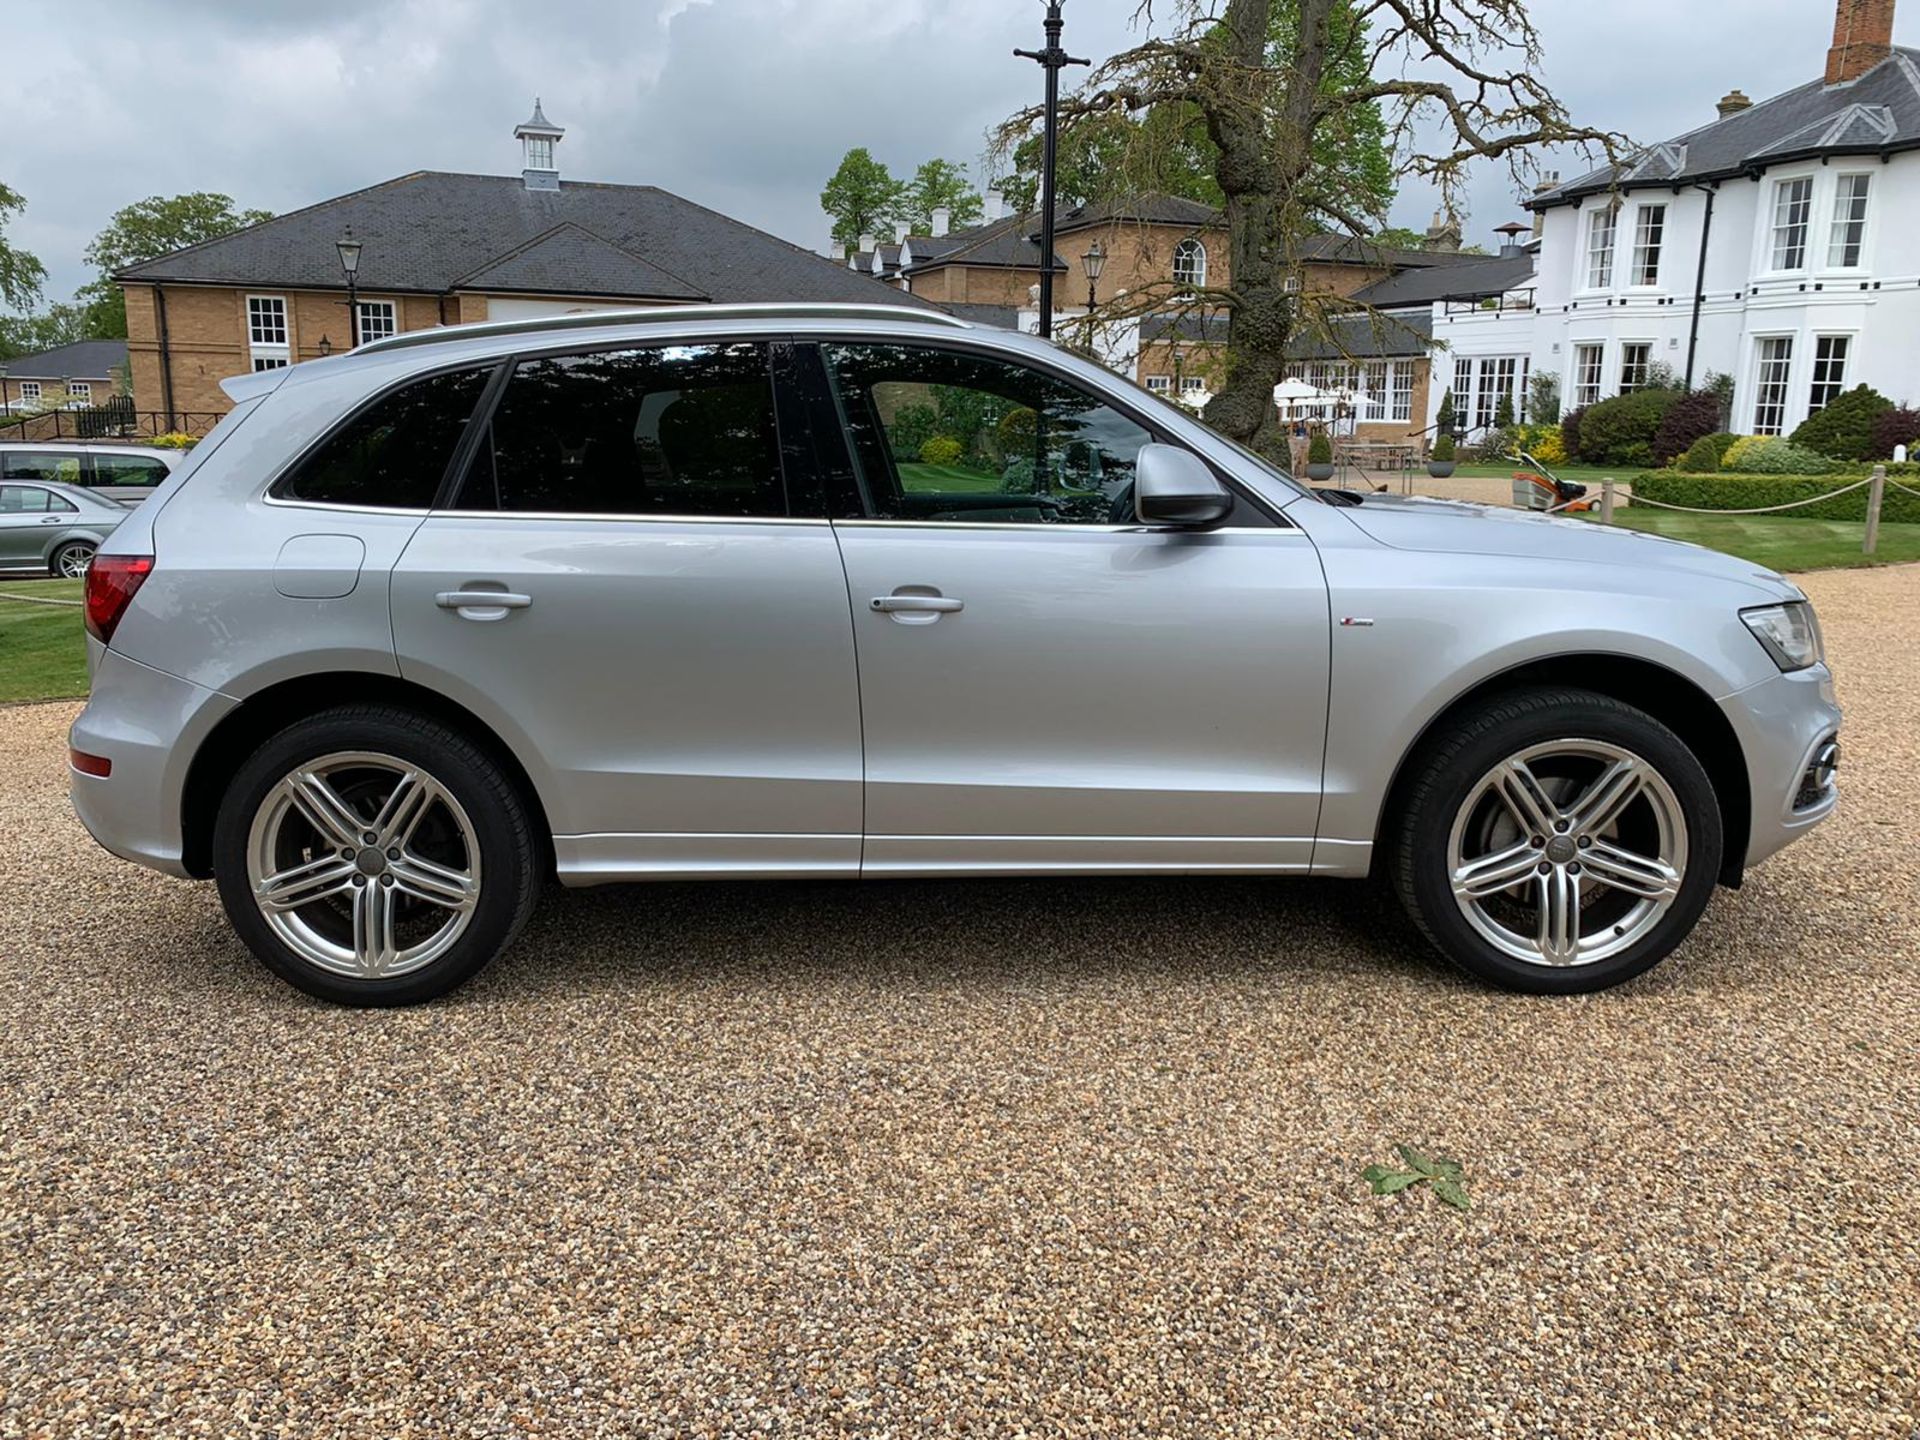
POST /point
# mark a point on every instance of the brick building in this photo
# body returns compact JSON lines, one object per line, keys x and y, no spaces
{"x":441,"y":249}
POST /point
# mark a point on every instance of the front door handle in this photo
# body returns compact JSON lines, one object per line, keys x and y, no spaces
{"x":482,"y":604}
{"x":936,"y":604}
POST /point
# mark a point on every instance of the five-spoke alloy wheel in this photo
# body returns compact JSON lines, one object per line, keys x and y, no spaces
{"x":1560,"y":841}
{"x":374,"y":856}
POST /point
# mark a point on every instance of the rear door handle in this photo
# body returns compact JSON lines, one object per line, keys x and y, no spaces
{"x":482,"y":604}
{"x":937,"y":604}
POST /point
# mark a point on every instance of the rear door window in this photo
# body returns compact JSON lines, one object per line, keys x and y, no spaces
{"x":130,"y":470}
{"x":395,"y":452}
{"x":40,"y":465}
{"x":662,"y":430}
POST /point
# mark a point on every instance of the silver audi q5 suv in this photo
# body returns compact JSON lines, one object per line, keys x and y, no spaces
{"x":850,"y":591}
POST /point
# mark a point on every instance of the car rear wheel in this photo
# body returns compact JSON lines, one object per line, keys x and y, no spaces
{"x":372,"y":856}
{"x":1557,"y":842}
{"x":70,"y":561}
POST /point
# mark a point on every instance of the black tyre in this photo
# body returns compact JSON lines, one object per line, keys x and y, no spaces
{"x":373,"y":856}
{"x":70,"y":561}
{"x":1557,"y":842}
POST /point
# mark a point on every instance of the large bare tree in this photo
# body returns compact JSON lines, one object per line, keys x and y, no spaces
{"x":1274,"y":81}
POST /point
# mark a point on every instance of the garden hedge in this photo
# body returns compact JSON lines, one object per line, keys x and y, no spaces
{"x":1746,"y":492}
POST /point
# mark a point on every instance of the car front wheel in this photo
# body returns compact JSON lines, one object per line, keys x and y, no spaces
{"x":1557,"y":842}
{"x":373,"y":856}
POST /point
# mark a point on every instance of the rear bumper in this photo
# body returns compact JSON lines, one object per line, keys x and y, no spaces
{"x":1783,"y":723}
{"x":149,"y":724}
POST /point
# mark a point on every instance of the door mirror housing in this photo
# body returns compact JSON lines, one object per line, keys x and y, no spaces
{"x":1172,"y":486}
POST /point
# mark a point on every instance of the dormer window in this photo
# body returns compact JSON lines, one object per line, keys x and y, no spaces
{"x":1190,"y":263}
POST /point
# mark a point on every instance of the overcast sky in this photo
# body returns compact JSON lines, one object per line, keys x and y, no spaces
{"x":743,"y":105}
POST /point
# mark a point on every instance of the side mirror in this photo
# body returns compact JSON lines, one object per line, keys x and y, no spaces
{"x":1172,"y":486}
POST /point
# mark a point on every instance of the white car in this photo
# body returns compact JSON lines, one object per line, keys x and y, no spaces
{"x":127,"y":473}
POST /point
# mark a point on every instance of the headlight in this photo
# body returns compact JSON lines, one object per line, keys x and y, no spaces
{"x":1789,"y":632}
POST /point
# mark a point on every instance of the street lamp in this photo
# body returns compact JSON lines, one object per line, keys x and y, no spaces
{"x":1053,"y":60}
{"x":349,"y":249}
{"x":1093,"y":262}
{"x":325,"y":347}
{"x":1179,"y":359}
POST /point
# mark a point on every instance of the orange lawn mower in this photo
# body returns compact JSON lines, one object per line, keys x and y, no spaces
{"x":1538,"y":488}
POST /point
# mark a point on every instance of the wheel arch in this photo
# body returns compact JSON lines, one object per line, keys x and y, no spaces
{"x":1665,"y":694}
{"x":248,"y":725}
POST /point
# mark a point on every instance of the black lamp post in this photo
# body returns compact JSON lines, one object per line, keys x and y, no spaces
{"x":1093,"y":262}
{"x":349,"y":249}
{"x":1179,"y":359}
{"x":1053,"y":60}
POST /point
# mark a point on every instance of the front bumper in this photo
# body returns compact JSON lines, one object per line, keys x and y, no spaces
{"x":1783,"y":724}
{"x":149,"y":724}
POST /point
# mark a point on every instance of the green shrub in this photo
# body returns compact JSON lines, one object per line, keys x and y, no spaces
{"x":175,"y":440}
{"x":1771,"y":455}
{"x":1620,"y":431}
{"x":1445,"y":416}
{"x":1543,"y":398}
{"x":1703,"y":456}
{"x":942,"y":450}
{"x":912,"y":427}
{"x":1843,"y":429}
{"x":1443,"y":448}
{"x":1503,"y":413}
{"x":1751,"y":492}
{"x":1319,"y":449}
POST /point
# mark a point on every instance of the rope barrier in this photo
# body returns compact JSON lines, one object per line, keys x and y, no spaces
{"x":42,"y":600}
{"x":1908,"y":488}
{"x":1638,"y":500}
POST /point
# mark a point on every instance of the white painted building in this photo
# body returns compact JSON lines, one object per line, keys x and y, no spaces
{"x":1779,"y":244}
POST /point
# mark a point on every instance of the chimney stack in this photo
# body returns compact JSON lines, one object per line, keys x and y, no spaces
{"x":1444,"y":233}
{"x":942,"y":218}
{"x":1733,"y":102}
{"x":1862,"y":38}
{"x":1549,"y":181}
{"x":866,"y":241}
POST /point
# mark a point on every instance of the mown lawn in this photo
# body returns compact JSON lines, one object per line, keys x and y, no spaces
{"x":43,"y":649}
{"x":1776,"y":542}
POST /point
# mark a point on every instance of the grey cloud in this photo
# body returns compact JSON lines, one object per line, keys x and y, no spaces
{"x":744,"y":105}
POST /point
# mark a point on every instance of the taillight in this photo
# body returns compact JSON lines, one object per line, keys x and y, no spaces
{"x":112,"y":582}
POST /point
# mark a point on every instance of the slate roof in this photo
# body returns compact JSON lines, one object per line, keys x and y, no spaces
{"x":1876,"y":114}
{"x":567,"y":260}
{"x":82,"y":360}
{"x":1363,"y":337}
{"x":427,"y":231}
{"x":1448,"y":282}
{"x":1000,"y":317}
{"x":1148,"y":209}
{"x":1197,"y":329}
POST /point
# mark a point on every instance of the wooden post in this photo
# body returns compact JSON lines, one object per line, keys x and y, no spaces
{"x":1606,"y":501}
{"x":1876,"y":491}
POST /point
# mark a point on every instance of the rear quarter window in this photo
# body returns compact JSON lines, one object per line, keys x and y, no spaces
{"x":393,"y":453}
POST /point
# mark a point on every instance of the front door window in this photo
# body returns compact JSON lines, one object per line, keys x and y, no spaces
{"x":946,"y":435}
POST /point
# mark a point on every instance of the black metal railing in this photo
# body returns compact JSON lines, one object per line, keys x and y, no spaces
{"x":1492,"y":304}
{"x":116,"y":419}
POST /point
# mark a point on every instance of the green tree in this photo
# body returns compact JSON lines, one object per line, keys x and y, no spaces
{"x":1112,"y":155}
{"x":146,"y":230}
{"x":21,"y":274}
{"x":935,"y":184}
{"x":1303,"y":103}
{"x":60,"y":324}
{"x":862,"y":197}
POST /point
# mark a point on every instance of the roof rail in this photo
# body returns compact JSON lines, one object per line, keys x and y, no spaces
{"x":664,"y":314}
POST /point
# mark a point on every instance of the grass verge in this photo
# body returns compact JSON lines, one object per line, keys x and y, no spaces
{"x":1776,"y":542}
{"x":43,"y":648}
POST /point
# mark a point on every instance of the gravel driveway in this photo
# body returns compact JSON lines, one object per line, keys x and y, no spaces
{"x":972,"y":1158}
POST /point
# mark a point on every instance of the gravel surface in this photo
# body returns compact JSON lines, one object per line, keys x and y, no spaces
{"x":1036,"y":1158}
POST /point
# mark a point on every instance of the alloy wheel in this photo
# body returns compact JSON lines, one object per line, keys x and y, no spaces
{"x":73,"y":562}
{"x":1568,"y":852}
{"x":363,"y":864}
